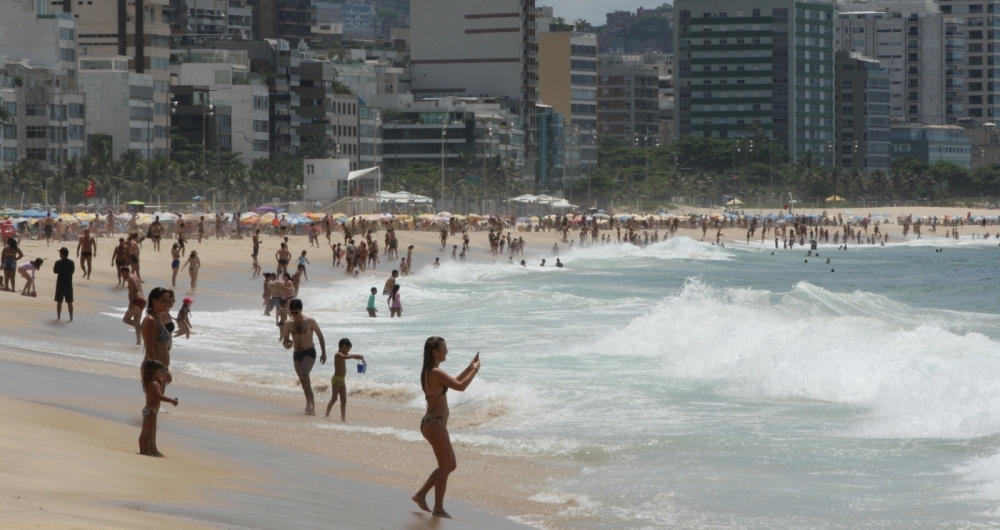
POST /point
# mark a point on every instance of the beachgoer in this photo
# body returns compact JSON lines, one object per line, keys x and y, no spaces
{"x":434,"y":425}
{"x":175,"y":263}
{"x":389,"y":283}
{"x":136,"y":303}
{"x":298,"y":333}
{"x":302,"y":262}
{"x":29,"y":279}
{"x":8,"y":259}
{"x":184,"y":319}
{"x":153,"y":384}
{"x":155,"y":336}
{"x":156,"y":233}
{"x":283,"y":256}
{"x":338,"y":384}
{"x":64,"y":269}
{"x":133,"y":255}
{"x":47,"y":225}
{"x":371,"y":303}
{"x":395,"y":306}
{"x":193,"y":263}
{"x":86,"y":248}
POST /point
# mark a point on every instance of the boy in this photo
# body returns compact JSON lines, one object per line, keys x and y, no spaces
{"x":371,"y":303}
{"x":337,"y":383}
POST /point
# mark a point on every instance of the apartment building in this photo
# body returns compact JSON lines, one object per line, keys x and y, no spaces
{"x":327,"y":108}
{"x":768,"y":64}
{"x":139,"y":31}
{"x":628,"y":103}
{"x":291,"y":20}
{"x":476,"y":48}
{"x":48,"y":115}
{"x":922,"y":48}
{"x":567,"y":75}
{"x":932,"y":143}
{"x":107,"y":83}
{"x":982,"y":41}
{"x":863,"y":98}
{"x":41,"y":33}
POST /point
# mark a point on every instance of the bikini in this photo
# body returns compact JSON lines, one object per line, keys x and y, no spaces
{"x":147,"y":412}
{"x":162,"y":335}
{"x":440,"y":419}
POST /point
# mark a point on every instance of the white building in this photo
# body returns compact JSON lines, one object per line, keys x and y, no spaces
{"x":119,"y":103}
{"x":922,"y":48}
{"x":226,"y":73}
{"x":325,"y":179}
{"x":43,"y":35}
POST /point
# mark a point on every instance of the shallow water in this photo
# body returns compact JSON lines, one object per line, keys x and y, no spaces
{"x":697,"y":386}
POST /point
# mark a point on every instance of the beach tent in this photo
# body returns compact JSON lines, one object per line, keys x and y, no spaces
{"x":835,"y":198}
{"x":734,"y":202}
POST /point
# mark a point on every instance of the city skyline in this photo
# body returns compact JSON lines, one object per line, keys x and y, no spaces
{"x":594,"y":11}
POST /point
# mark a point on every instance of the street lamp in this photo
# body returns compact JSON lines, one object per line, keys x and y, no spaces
{"x":207,"y":111}
{"x":444,"y":132}
{"x":378,"y":134}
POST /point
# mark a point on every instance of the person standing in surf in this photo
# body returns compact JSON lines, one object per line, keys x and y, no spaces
{"x":434,"y":425}
{"x":298,"y":332}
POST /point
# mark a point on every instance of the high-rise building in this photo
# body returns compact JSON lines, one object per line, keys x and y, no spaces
{"x":476,"y":48}
{"x":628,"y":101}
{"x":213,"y":17}
{"x":932,"y":143}
{"x":760,"y":64}
{"x":981,"y":43}
{"x":327,"y":108}
{"x":567,"y":75}
{"x":862,"y":97}
{"x":921,"y":47}
{"x":139,"y":31}
{"x":291,"y":20}
{"x":107,"y":82}
{"x":43,"y":34}
{"x":48,"y":116}
{"x":226,"y":74}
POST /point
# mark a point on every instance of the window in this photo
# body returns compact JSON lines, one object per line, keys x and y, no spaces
{"x":36,"y":132}
{"x":76,"y":132}
{"x":577,"y":49}
{"x":75,"y":110}
{"x":37,"y":153}
{"x":67,"y":54}
{"x":9,"y":154}
{"x":259,"y":126}
{"x":584,"y":94}
{"x":756,"y":12}
{"x":579,"y":64}
{"x":261,"y":145}
{"x":577,"y":108}
{"x":222,"y":77}
{"x":10,"y":132}
{"x":159,"y":63}
{"x":36,"y":110}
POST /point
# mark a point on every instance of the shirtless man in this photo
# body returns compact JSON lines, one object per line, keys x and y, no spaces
{"x":86,"y":249}
{"x":256,"y":244}
{"x":298,"y":333}
{"x":274,"y":298}
{"x":110,"y":220}
{"x":119,"y":259}
{"x":390,"y":283}
{"x":283,"y":256}
{"x":133,"y":255}
{"x":201,"y":228}
{"x":136,"y":303}
{"x":156,"y":233}
{"x":48,"y":225}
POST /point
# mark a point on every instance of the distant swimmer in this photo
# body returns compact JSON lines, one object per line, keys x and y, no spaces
{"x":297,"y":333}
{"x":559,"y":263}
{"x":434,"y":425}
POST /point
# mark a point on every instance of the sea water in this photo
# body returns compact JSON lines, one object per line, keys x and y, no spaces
{"x":694,"y":386}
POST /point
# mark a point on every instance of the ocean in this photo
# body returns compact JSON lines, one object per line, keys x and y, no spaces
{"x":694,"y":386}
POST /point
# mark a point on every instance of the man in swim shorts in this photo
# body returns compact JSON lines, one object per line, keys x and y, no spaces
{"x":47,"y":226}
{"x":297,"y":333}
{"x":119,"y":258}
{"x":86,"y":248}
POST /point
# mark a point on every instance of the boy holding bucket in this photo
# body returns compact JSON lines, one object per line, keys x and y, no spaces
{"x":337,"y":383}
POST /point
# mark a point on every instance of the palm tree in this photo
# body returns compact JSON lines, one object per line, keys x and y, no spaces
{"x":317,"y":146}
{"x":879,"y":183}
{"x":581,"y":24}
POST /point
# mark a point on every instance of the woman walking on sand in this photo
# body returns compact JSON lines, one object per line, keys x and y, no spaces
{"x":8,"y":259}
{"x":193,"y":263}
{"x":434,"y":425}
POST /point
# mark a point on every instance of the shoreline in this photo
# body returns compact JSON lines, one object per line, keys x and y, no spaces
{"x":271,"y":414}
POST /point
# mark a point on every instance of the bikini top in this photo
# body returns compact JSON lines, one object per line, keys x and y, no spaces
{"x":443,"y":392}
{"x":162,"y":335}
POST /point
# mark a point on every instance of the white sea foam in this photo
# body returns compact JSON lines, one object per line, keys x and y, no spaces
{"x":918,"y":378}
{"x":670,"y":249}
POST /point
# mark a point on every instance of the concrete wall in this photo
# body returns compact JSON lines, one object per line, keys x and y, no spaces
{"x":323,"y":178}
{"x":554,"y":71}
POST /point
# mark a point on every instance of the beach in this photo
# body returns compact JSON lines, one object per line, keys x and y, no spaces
{"x":239,"y":422}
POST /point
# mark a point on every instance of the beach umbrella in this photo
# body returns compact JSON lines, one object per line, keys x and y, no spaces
{"x":426,"y":216}
{"x":444,"y":214}
{"x":32,"y":213}
{"x":623,"y":217}
{"x":265,"y":209}
{"x":314,"y":216}
{"x":267,"y":217}
{"x":84,"y":216}
{"x":135,"y":203}
{"x":404,"y":217}
{"x":848,"y":212}
{"x":197,"y":198}
{"x":522,"y":220}
{"x":835,"y":198}
{"x":734,"y":202}
{"x":460,"y":217}
{"x":602,"y":216}
{"x":534,"y":218}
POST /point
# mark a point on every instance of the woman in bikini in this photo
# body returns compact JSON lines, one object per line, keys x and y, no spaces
{"x":8,"y":258}
{"x":155,"y":336}
{"x":434,"y":425}
{"x":193,"y":263}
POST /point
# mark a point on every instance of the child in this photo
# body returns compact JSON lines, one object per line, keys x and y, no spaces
{"x":302,"y":265}
{"x":256,"y":266}
{"x":184,"y":319}
{"x":371,"y":303}
{"x":29,"y":281}
{"x":337,"y":383}
{"x":152,"y":385}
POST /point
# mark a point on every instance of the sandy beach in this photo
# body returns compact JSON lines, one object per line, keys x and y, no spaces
{"x":240,"y":453}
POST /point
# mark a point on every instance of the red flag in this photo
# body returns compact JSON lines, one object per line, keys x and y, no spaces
{"x":91,"y":189}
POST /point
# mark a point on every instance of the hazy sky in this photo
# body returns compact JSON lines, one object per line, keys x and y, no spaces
{"x":594,"y":10}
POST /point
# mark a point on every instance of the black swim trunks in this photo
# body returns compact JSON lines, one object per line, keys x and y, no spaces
{"x":299,"y":355}
{"x":133,"y":259}
{"x":86,"y":254}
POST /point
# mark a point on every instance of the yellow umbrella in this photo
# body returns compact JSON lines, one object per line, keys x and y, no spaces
{"x":267,"y":218}
{"x":337,"y":215}
{"x":404,"y":217}
{"x":426,"y":216}
{"x":313,"y":216}
{"x":460,"y":217}
{"x":84,"y":216}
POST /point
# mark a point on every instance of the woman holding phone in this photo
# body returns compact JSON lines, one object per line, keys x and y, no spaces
{"x":434,"y":425}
